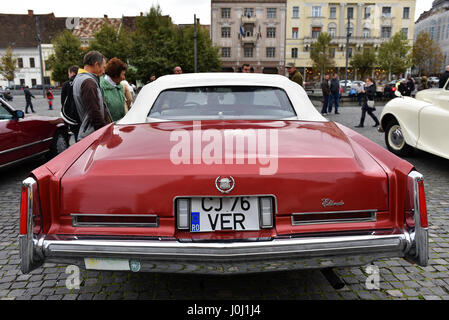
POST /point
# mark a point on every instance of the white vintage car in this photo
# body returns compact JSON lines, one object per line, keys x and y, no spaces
{"x":420,"y":123}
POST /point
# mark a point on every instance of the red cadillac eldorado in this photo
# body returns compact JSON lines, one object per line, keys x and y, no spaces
{"x":223,"y":173}
{"x":25,"y":137}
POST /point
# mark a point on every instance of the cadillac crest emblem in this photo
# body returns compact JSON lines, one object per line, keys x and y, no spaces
{"x":224,"y":184}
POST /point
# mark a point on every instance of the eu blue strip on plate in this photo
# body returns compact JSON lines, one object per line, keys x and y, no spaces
{"x":195,"y":222}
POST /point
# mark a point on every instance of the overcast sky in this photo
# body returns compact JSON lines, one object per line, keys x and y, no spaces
{"x":181,"y":11}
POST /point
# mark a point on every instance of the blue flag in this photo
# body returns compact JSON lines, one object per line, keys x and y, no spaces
{"x":242,"y":32}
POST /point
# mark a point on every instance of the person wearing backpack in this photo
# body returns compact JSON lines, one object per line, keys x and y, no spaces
{"x":87,"y":95}
{"x":65,"y":92}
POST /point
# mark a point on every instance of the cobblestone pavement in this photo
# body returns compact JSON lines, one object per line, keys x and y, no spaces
{"x":398,"y":278}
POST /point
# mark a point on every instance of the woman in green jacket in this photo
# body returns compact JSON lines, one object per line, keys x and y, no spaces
{"x":113,"y":93}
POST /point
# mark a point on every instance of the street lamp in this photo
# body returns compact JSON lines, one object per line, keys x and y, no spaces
{"x":39,"y":41}
{"x":348,"y":35}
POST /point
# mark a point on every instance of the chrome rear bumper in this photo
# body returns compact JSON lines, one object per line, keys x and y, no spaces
{"x":223,"y":258}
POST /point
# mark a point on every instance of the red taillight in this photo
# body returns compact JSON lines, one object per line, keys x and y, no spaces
{"x":415,"y":201}
{"x":422,"y":204}
{"x":24,"y":210}
{"x":393,"y":89}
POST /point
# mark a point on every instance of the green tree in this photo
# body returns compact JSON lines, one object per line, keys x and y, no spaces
{"x":320,"y":53}
{"x":207,"y":54}
{"x":154,"y":48}
{"x":427,"y":55}
{"x":364,"y":62}
{"x":394,"y":55}
{"x":68,"y":52}
{"x":112,"y":42}
{"x":8,"y":65}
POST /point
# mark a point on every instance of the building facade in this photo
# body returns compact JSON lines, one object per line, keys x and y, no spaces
{"x":251,"y":32}
{"x":436,"y":23}
{"x":370,"y":24}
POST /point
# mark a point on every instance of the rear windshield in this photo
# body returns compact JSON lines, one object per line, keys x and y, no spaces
{"x":222,"y":102}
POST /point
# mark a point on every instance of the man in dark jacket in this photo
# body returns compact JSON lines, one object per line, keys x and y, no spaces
{"x":87,"y":95}
{"x":444,"y":77}
{"x":410,"y":86}
{"x":72,"y":72}
{"x":294,"y":75}
{"x":335,"y":93}
{"x":28,"y":97}
{"x":326,"y":93}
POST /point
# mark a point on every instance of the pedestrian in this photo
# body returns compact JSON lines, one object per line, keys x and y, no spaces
{"x":368,"y":104}
{"x":50,"y":98}
{"x":177,"y":70}
{"x":129,"y":94}
{"x":326,"y":93}
{"x":335,"y":94}
{"x":112,"y":89}
{"x":359,"y":90}
{"x":246,"y":68}
{"x":424,"y":84}
{"x":401,"y":86}
{"x":71,"y":72}
{"x":444,"y":77}
{"x":410,"y":86}
{"x":87,"y":94}
{"x":293,"y":74}
{"x":28,"y":96}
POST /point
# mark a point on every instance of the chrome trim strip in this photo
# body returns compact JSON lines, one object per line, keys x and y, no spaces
{"x":25,"y":146}
{"x":373,"y":217}
{"x":76,"y":223}
{"x":24,"y":159}
{"x":276,"y":248}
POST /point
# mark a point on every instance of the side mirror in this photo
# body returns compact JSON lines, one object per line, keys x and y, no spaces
{"x":19,"y":114}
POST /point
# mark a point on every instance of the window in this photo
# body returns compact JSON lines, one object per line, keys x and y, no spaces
{"x":22,"y":82}
{"x":248,"y":52}
{"x":222,"y":102}
{"x":225,"y":13}
{"x":295,"y":14}
{"x":386,"y":12}
{"x":316,"y":11}
{"x":316,"y":32}
{"x":405,"y":31}
{"x":406,"y":13}
{"x":367,"y":13}
{"x":350,"y":13}
{"x":386,"y":32}
{"x":226,"y":32}
{"x":333,"y":13}
{"x":295,"y":32}
{"x":32,"y":64}
{"x":20,"y":62}
{"x":226,"y":52}
{"x":432,"y":32}
{"x":366,"y":33}
{"x":271,"y":52}
{"x":350,"y":52}
{"x":33,"y":82}
{"x":5,"y":114}
{"x":271,"y":32}
{"x":332,"y":30}
{"x":294,"y":53}
{"x":249,"y":12}
{"x":438,"y":33}
{"x":332,"y":52}
{"x":271,"y":13}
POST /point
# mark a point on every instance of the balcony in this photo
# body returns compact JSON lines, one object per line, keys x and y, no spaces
{"x":248,"y":39}
{"x":353,"y":40}
{"x":249,"y":19}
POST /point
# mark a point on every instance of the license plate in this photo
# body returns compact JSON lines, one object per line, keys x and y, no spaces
{"x":224,"y":213}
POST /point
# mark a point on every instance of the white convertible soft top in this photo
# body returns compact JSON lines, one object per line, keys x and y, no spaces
{"x":149,"y":93}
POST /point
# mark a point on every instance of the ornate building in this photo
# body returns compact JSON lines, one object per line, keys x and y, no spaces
{"x":436,"y":23}
{"x":250,"y":31}
{"x":370,"y":24}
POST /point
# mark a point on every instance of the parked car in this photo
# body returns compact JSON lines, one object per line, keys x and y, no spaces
{"x":434,"y":81}
{"x":419,"y":123}
{"x":348,"y":83}
{"x":165,"y":190}
{"x":390,"y":89}
{"x":26,"y":136}
{"x":354,"y":84}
